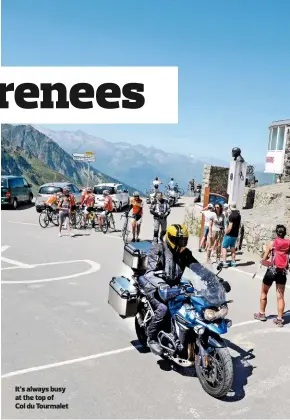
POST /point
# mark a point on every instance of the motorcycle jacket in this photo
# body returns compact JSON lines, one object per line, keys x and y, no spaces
{"x":160,"y":209}
{"x":173,"y":264}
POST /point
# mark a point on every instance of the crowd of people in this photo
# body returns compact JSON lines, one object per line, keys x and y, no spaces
{"x":222,"y":232}
{"x":222,"y":226}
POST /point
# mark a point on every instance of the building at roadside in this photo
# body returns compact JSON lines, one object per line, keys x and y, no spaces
{"x":278,"y":153}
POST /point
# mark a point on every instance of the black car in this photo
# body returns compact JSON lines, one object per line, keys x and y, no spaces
{"x":15,"y":190}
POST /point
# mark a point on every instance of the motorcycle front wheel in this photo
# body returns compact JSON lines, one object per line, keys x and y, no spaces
{"x":217,"y":378}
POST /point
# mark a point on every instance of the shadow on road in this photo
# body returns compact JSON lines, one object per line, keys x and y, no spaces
{"x":246,"y":264}
{"x":242,"y":371}
{"x":26,"y":206}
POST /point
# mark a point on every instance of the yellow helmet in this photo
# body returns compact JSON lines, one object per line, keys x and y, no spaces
{"x":177,"y":237}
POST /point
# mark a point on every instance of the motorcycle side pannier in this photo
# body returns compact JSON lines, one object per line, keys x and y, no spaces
{"x":136,"y":255}
{"x":123,"y":296}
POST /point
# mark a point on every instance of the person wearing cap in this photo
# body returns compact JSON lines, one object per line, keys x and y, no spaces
{"x":231,"y":235}
{"x":88,"y":200}
{"x":208,"y":213}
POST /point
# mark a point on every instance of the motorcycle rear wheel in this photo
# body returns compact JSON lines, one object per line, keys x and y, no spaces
{"x":222,"y":357}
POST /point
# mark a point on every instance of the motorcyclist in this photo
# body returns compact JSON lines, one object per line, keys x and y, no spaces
{"x":172,"y":184}
{"x":160,"y":210}
{"x":171,"y":258}
{"x":156,"y":183}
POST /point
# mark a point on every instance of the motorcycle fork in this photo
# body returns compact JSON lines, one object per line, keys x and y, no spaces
{"x":203,"y":354}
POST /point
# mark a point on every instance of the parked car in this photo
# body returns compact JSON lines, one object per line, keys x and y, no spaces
{"x":53,"y":187}
{"x":118,"y":193}
{"x":15,"y":190}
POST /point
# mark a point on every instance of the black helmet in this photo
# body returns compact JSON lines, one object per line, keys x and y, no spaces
{"x":156,"y":179}
{"x":172,"y":179}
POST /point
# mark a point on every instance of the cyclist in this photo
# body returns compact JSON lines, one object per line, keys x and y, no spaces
{"x":108,"y":207}
{"x":172,"y":184}
{"x":88,"y":200}
{"x":191,"y":186}
{"x":136,"y":205}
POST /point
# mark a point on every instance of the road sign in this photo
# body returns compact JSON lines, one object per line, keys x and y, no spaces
{"x":83,"y":157}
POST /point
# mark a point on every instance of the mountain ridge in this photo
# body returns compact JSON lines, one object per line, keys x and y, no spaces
{"x":33,"y":144}
{"x":137,"y":164}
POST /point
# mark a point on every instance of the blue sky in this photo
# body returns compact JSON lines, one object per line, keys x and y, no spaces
{"x":233,"y":59}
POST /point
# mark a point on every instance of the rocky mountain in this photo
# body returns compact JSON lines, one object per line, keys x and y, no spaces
{"x":27,"y":151}
{"x":137,"y":165}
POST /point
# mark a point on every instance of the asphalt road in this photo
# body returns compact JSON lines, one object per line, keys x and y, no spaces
{"x":59,"y":331}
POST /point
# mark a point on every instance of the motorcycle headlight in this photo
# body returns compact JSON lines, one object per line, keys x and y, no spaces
{"x":211,"y":314}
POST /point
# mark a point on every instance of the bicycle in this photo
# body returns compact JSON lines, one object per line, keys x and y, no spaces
{"x":108,"y":222}
{"x":84,"y":222}
{"x":125,"y":229}
{"x":48,"y":215}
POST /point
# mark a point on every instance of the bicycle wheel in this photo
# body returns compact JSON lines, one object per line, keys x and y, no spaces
{"x":105,"y":225}
{"x":81,"y":222}
{"x":54,"y":218}
{"x":112,"y":223}
{"x":43,"y":219}
{"x":125,"y":232}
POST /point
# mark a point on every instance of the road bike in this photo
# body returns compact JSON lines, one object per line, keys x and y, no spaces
{"x":126,"y":228}
{"x":48,"y":215}
{"x":108,"y":222}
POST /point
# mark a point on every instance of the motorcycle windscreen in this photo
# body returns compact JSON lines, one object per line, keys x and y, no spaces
{"x":206,"y":284}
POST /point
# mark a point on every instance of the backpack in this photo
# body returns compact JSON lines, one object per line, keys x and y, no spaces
{"x":280,"y":254}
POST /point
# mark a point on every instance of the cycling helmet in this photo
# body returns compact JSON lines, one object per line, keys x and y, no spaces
{"x":66,"y":191}
{"x":172,"y":179}
{"x":106,"y":192}
{"x":136,"y":194}
{"x":156,"y":179}
{"x":177,"y":237}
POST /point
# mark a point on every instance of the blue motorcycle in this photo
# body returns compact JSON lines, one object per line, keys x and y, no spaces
{"x":192,"y":333}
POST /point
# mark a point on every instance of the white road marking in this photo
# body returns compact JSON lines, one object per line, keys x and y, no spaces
{"x":4,"y":247}
{"x":69,"y":362}
{"x":23,"y":223}
{"x":93,"y":356}
{"x":251,"y":274}
{"x":94,"y":267}
{"x":9,"y":261}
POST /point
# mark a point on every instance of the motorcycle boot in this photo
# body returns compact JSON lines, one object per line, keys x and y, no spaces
{"x":155,"y":347}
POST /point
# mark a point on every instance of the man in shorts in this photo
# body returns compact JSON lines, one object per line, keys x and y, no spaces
{"x":88,"y":200}
{"x":136,"y":205}
{"x":231,"y":235}
{"x":108,"y":207}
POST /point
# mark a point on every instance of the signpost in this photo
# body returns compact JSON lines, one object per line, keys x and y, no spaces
{"x":85,"y":157}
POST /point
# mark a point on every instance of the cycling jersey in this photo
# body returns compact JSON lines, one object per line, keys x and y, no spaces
{"x":51,"y":200}
{"x":88,"y":200}
{"x":136,"y":206}
{"x":108,"y":203}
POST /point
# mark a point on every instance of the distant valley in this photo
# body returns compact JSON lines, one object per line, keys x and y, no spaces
{"x":137,"y":165}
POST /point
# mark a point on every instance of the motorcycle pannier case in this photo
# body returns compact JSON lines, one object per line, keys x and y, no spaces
{"x":123,"y":296}
{"x":136,"y":255}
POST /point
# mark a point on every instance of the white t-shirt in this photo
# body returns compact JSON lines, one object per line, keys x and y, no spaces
{"x":218,"y":222}
{"x":156,"y":182}
{"x":208,"y":215}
